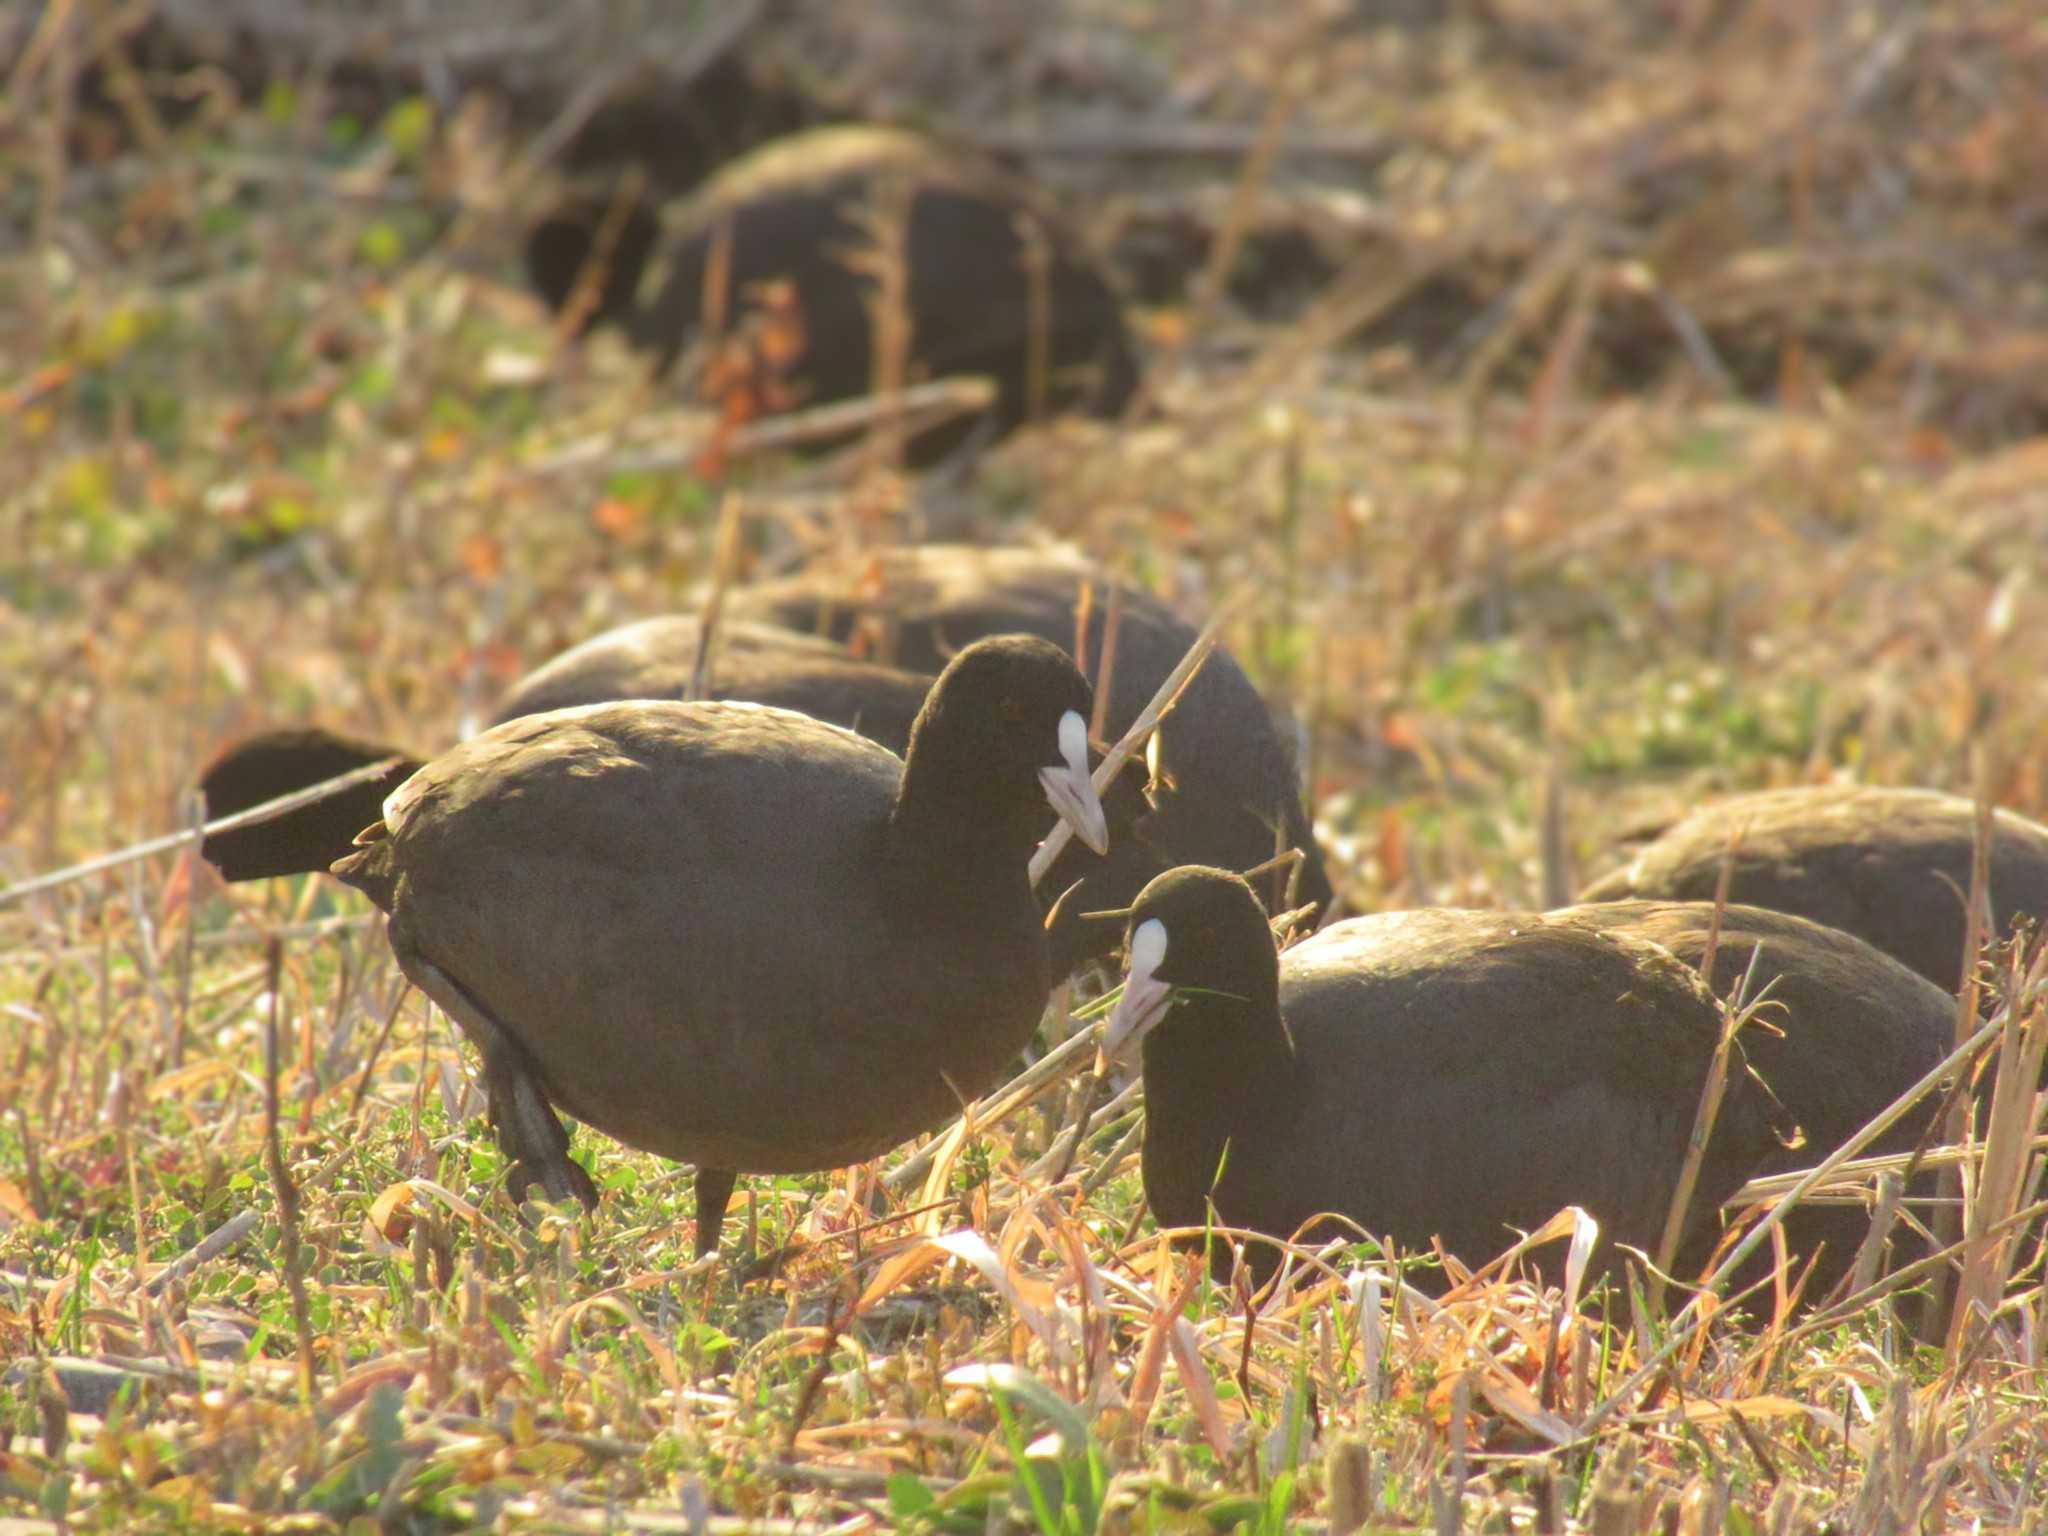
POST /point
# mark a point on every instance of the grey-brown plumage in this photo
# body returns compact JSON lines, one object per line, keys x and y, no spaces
{"x":760,"y":663}
{"x":1458,"y":1074}
{"x":1231,"y":797}
{"x":652,"y":659}
{"x":731,"y":934}
{"x":1891,"y":866}
{"x":1845,"y":1030}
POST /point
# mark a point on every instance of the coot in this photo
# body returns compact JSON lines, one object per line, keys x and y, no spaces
{"x":1455,"y":1074}
{"x":1230,"y":795}
{"x":1891,"y":866}
{"x":996,"y":285}
{"x":732,"y":934}
{"x":651,"y":659}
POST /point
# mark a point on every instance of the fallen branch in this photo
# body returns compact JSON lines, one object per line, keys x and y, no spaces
{"x":206,"y":1250}
{"x":920,"y":406}
{"x":268,"y":810}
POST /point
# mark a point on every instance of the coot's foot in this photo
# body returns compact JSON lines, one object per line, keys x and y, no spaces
{"x":527,"y":1126}
{"x":567,"y":1181}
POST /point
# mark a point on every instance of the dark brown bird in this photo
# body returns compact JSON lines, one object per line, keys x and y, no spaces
{"x":1229,"y":794}
{"x":1891,"y":866}
{"x":652,"y":659}
{"x":732,"y":934}
{"x":1459,"y":1074}
{"x":995,"y":284}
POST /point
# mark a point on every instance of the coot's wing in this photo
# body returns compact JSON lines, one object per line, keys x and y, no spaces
{"x":1849,"y":1027}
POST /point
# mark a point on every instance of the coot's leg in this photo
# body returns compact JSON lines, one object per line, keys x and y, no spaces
{"x":714,"y":1193}
{"x":520,"y":1113}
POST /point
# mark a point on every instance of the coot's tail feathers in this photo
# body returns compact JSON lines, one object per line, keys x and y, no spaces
{"x":369,"y":866}
{"x":306,"y":840}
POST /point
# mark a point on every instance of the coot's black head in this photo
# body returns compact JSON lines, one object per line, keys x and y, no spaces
{"x":561,"y":245}
{"x":275,"y":763}
{"x":1003,"y":730}
{"x":1195,"y":934}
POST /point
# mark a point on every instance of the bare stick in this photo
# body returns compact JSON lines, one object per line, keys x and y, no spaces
{"x":725,"y":559}
{"x":1004,"y":1102}
{"x":268,"y":810}
{"x":1735,"y":1012}
{"x":1858,"y":1171}
{"x":281,"y":1181}
{"x":207,"y":1249}
{"x":1147,"y":722}
{"x":919,"y":406}
{"x":1143,"y":140}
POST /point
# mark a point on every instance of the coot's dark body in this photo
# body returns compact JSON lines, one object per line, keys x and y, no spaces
{"x":758,"y":663}
{"x":1439,"y":1074}
{"x":1891,"y":866}
{"x":653,"y":1077}
{"x":731,"y":934}
{"x":996,"y":285}
{"x":1457,"y":1074}
{"x":1859,"y":1027}
{"x":1231,"y":781}
{"x":1847,"y":1030}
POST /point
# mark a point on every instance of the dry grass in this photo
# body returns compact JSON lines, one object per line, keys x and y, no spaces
{"x":281,"y":451}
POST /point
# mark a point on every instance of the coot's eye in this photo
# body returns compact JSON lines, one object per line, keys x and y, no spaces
{"x":1012,"y":708}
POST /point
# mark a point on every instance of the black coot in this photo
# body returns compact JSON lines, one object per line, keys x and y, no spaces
{"x":652,"y":659}
{"x":1891,"y":866}
{"x":1456,"y":1074}
{"x":758,"y":663}
{"x":731,"y":934}
{"x":996,"y":284}
{"x":1230,"y":795}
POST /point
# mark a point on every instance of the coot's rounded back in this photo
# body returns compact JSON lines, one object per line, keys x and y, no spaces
{"x":761,"y":663}
{"x":652,"y":659}
{"x":1891,"y":866}
{"x":996,"y":285}
{"x":1844,"y":1030}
